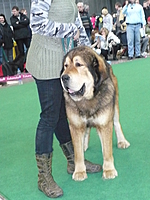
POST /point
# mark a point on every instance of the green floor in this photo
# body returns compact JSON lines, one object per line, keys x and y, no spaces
{"x":19,"y":113}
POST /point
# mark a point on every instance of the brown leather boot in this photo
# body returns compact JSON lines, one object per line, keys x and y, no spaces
{"x":46,"y":182}
{"x":68,"y":151}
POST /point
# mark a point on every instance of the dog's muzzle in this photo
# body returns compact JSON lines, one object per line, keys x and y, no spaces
{"x":65,"y":80}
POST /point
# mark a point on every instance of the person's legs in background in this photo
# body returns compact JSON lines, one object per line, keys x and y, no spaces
{"x":20,"y":46}
{"x":115,"y":48}
{"x":144,"y":44}
{"x":130,"y":40}
{"x":137,"y":40}
{"x":104,"y":52}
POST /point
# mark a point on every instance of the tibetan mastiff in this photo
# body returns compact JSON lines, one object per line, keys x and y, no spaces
{"x":91,"y":95}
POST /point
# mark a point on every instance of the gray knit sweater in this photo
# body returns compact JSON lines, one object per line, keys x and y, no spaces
{"x":51,"y":21}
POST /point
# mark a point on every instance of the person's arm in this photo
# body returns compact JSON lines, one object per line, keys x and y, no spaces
{"x":24,"y":20}
{"x":40,"y":24}
{"x":124,"y":9}
{"x":143,"y":17}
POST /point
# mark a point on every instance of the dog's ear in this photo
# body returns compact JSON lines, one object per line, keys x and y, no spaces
{"x":100,"y":71}
{"x":102,"y":68}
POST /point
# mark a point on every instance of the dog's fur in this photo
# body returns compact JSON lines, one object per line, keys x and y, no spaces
{"x":91,"y":94}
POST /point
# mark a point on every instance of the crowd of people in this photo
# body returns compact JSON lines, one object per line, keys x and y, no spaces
{"x":127,"y":31}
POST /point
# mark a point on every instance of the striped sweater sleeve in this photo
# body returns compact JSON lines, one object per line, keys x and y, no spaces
{"x":40,"y":23}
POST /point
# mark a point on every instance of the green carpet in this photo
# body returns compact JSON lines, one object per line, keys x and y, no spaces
{"x":19,"y":113}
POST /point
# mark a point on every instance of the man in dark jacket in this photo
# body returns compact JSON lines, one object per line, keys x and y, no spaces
{"x":20,"y":23}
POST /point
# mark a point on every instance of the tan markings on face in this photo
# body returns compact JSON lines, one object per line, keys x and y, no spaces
{"x":79,"y":75}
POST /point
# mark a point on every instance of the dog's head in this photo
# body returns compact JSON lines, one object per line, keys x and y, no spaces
{"x":82,"y":73}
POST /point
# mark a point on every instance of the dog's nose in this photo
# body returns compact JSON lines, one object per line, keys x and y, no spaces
{"x":65,"y":78}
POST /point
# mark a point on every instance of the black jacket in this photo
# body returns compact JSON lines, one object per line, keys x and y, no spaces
{"x":1,"y":35}
{"x":7,"y":36}
{"x":21,"y":27}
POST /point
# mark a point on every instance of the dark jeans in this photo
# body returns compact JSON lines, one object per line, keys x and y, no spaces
{"x":21,"y":43}
{"x":53,"y":116}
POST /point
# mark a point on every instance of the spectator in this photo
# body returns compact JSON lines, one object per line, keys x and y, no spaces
{"x":144,"y":44}
{"x":1,"y":42}
{"x":147,"y":30}
{"x":20,"y":23}
{"x":7,"y":39}
{"x":85,"y":19}
{"x":24,"y":11}
{"x":109,"y":43}
{"x":146,"y":9}
{"x":107,"y":19}
{"x":135,"y":19}
{"x":120,"y":24}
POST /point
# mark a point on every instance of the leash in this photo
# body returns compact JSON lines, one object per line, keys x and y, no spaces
{"x":67,"y":44}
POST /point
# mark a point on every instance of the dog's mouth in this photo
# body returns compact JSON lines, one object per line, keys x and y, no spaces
{"x":76,"y":93}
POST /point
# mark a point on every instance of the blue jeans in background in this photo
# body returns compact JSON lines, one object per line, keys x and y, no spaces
{"x":133,"y":39}
{"x":53,"y":117}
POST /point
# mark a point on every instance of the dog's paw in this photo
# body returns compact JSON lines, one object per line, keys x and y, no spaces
{"x":79,"y":176}
{"x":110,"y":174}
{"x":123,"y":144}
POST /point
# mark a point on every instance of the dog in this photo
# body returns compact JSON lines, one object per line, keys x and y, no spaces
{"x":91,"y":96}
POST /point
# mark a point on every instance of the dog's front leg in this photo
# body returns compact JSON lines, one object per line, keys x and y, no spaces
{"x":105,"y":134}
{"x":80,"y":168}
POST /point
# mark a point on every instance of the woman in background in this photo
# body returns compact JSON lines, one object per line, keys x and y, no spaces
{"x":7,"y":39}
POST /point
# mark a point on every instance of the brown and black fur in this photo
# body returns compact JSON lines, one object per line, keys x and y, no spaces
{"x":91,"y":94}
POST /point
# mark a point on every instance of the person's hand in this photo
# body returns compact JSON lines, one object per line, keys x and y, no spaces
{"x":76,"y":37}
{"x":127,"y":2}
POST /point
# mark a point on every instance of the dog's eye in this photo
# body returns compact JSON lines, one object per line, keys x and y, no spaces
{"x":65,"y":65}
{"x":78,"y":64}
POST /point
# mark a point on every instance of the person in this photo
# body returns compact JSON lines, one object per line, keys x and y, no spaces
{"x":147,"y":31}
{"x":53,"y":30}
{"x":7,"y":39}
{"x":109,"y":43}
{"x":107,"y":19}
{"x":24,"y":11}
{"x":1,"y":42}
{"x":144,"y":45}
{"x":85,"y":19}
{"x":20,"y":24}
{"x":135,"y":20}
{"x":120,"y":24}
{"x":146,"y":9}
{"x":1,"y":56}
